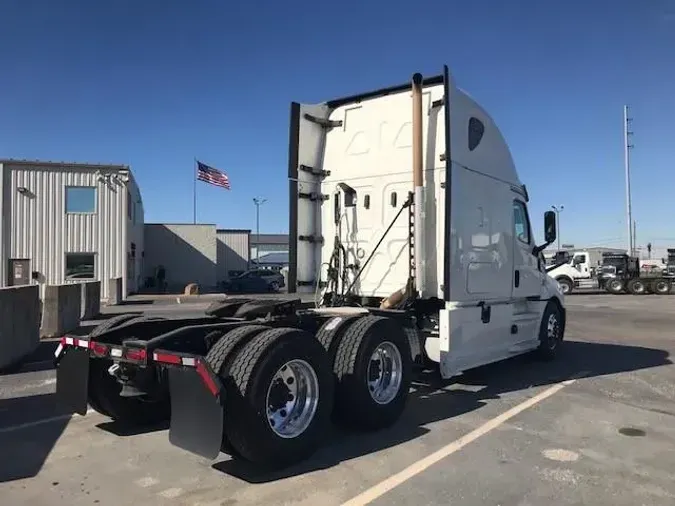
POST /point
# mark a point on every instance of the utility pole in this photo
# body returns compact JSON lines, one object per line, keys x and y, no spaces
{"x":634,"y":238}
{"x":558,"y":210}
{"x":626,"y":160}
{"x":258,"y":202}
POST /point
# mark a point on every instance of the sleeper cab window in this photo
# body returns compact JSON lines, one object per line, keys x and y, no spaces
{"x":476,"y":131}
{"x":81,"y":199}
{"x":521,"y":222}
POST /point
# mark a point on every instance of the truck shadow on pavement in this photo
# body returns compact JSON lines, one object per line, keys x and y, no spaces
{"x":25,"y":443}
{"x":433,"y":399}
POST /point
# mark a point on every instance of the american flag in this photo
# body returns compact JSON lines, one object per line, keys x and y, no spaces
{"x":212,"y":176}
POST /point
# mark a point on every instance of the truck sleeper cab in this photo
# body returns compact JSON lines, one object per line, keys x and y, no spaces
{"x":409,"y":228}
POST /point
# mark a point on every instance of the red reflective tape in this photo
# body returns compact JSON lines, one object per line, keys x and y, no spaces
{"x":166,"y":358}
{"x":206,"y":378}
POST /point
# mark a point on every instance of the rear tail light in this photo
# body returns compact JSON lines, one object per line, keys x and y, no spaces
{"x":99,"y":349}
{"x":167,"y":358}
{"x":137,"y":354}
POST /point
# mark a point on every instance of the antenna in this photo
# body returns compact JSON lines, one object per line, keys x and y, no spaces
{"x":627,"y":133}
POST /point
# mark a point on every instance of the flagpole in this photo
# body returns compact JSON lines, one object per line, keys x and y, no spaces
{"x":194,"y":194}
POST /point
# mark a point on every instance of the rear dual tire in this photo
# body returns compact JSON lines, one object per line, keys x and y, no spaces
{"x":282,"y":385}
{"x":372,"y":366}
{"x":279,"y":396}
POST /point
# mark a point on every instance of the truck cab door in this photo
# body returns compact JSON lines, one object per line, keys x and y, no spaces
{"x":583,"y":265}
{"x":526,"y":274}
{"x":527,"y":282}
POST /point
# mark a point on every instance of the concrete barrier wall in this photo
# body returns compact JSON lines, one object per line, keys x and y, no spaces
{"x":19,"y":323}
{"x":61,"y":309}
{"x":115,"y":293}
{"x":91,"y":300}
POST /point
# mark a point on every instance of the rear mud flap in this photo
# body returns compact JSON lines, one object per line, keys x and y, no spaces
{"x":72,"y":380}
{"x":196,"y":414}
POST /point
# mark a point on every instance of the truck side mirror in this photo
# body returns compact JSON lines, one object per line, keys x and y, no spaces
{"x":549,"y":227}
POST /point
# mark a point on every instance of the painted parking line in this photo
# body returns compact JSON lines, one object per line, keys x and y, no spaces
{"x":416,"y":468}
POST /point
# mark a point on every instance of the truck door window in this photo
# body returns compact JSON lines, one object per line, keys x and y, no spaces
{"x":521,"y":222}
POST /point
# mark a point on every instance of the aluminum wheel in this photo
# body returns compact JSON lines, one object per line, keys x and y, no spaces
{"x":553,"y":331}
{"x":385,"y":372}
{"x":292,"y":399}
{"x":614,"y":286}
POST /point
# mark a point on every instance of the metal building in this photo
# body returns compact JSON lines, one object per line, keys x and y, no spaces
{"x":268,"y":243}
{"x":188,"y":252}
{"x":233,"y":252}
{"x":69,"y":222}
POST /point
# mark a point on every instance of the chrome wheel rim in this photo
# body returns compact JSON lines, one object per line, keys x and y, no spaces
{"x":292,"y":399}
{"x":565,"y":288}
{"x":385,"y":373}
{"x":639,"y":287}
{"x":553,"y":331}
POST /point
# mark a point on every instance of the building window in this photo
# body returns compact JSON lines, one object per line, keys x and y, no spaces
{"x":80,"y":266}
{"x":521,"y":222}
{"x":80,"y":199}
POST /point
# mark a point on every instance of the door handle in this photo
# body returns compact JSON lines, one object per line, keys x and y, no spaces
{"x":517,"y":279}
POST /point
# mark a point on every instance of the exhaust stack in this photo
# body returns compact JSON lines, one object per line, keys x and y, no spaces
{"x":418,"y":187}
{"x":418,"y":183}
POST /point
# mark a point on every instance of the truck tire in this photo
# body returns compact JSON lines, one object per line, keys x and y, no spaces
{"x":660,"y":287}
{"x":331,"y":332}
{"x":221,"y":353}
{"x":104,"y":397}
{"x":566,"y":284}
{"x":614,"y":286}
{"x":551,"y":331}
{"x":279,"y":396}
{"x":111,"y":323}
{"x":104,"y":390}
{"x":374,"y":370}
{"x":636,"y":287}
{"x":104,"y":327}
{"x":220,"y":358}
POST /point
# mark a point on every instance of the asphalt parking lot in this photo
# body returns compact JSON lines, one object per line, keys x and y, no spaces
{"x":595,"y":427}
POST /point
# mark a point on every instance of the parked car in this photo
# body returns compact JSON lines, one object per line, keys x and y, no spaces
{"x":255,"y":281}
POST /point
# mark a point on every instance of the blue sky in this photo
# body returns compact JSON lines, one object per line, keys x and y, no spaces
{"x":154,"y":84}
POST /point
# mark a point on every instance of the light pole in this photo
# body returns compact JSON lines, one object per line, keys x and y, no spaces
{"x":258,"y":202}
{"x":558,"y":210}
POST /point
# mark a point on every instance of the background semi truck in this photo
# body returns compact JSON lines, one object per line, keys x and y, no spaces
{"x":410,"y":230}
{"x":622,"y":273}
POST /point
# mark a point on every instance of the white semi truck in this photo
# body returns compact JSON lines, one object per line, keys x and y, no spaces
{"x":571,"y":271}
{"x":409,"y":223}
